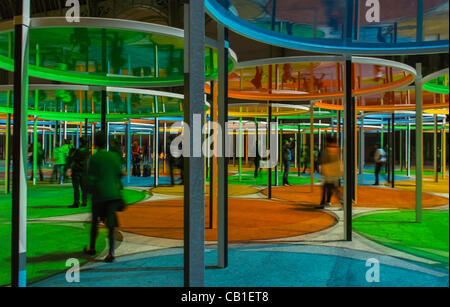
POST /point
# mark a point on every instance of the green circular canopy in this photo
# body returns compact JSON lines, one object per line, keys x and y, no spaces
{"x":437,"y":82}
{"x":106,"y":52}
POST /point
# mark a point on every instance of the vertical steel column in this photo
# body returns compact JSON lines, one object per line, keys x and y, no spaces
{"x":19,"y":191}
{"x":311,"y":146}
{"x":419,"y":143}
{"x":269,"y":170}
{"x":194,"y":185}
{"x":128,"y":132}
{"x":156,"y":152}
{"x":393,"y":151}
{"x":278,"y":149}
{"x":435,"y":142}
{"x":222,"y":159}
{"x":419,"y":30}
{"x":362,"y":149}
{"x":443,"y":150}
{"x":408,"y":151}
{"x":349,"y":152}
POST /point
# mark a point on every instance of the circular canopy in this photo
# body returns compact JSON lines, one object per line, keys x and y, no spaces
{"x":437,"y":82}
{"x":107,"y":52}
{"x":382,"y":27}
{"x":313,"y":78}
{"x":78,"y":102}
{"x":404,"y":99}
{"x":262,"y":110}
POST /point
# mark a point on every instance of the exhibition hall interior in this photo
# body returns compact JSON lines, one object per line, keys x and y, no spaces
{"x":224,"y":143}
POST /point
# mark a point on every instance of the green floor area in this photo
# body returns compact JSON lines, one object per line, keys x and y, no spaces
{"x":398,"y":230}
{"x":48,"y":201}
{"x":49,"y":247}
{"x":248,"y":178}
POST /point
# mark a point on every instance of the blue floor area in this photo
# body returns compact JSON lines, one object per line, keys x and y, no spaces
{"x":259,"y":266}
{"x":147,"y":181}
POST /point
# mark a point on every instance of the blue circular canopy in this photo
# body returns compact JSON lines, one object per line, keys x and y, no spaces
{"x":371,"y":27}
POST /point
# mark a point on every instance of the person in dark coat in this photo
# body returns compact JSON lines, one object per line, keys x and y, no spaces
{"x":79,"y":164}
{"x":288,"y":145}
{"x":105,"y":185}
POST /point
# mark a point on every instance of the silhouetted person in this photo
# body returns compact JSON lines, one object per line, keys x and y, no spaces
{"x":257,"y":161}
{"x":105,"y":184}
{"x":304,"y":159}
{"x":40,"y":160}
{"x":287,"y":146}
{"x":79,"y":160}
{"x":331,"y":171}
{"x":60,"y":155}
{"x":136,"y":155}
{"x":172,"y":161}
{"x":380,"y":161}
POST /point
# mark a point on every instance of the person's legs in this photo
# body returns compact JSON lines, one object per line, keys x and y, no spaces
{"x":324,"y":193}
{"x":84,"y":189}
{"x":111,"y":240}
{"x":76,"y":190}
{"x":286,"y":173}
{"x":94,"y":231}
{"x":377,"y":172}
{"x":331,"y":189}
{"x":41,"y":174}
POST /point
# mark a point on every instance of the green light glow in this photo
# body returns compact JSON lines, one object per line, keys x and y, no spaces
{"x":438,"y":85}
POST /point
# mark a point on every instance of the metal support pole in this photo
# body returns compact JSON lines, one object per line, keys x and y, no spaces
{"x":408,"y":150}
{"x":156,"y":151}
{"x":362,"y":149}
{"x":349,"y":152}
{"x":222,"y":160}
{"x":393,"y":151}
{"x":269,"y":170}
{"x":19,"y":190}
{"x":194,"y":183}
{"x":435,"y":142}
{"x":419,"y":142}
{"x":444,"y":150}
{"x":311,"y":147}
{"x":128,"y":150}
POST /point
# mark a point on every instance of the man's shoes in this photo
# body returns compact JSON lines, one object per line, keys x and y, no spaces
{"x":74,"y":206}
{"x":90,"y":252}
{"x":110,"y":258}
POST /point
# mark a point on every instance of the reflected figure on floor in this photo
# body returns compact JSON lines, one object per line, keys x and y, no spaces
{"x":105,"y":185}
{"x":332,"y":170}
{"x":79,"y":160}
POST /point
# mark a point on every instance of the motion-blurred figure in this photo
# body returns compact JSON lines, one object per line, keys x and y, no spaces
{"x":105,"y":184}
{"x":79,"y":163}
{"x":331,"y":171}
{"x":380,"y":161}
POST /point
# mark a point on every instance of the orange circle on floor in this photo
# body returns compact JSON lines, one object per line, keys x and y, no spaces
{"x":372,"y":197}
{"x":249,"y":219}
